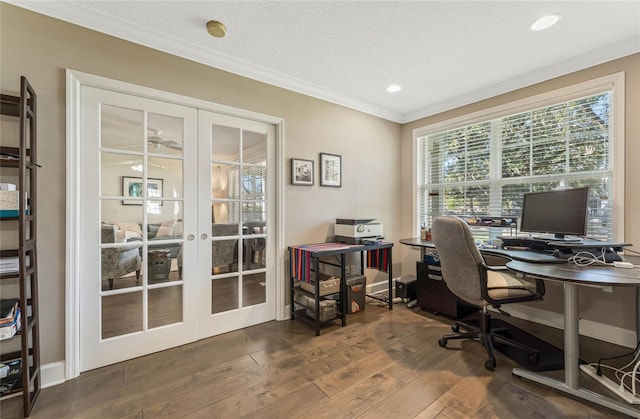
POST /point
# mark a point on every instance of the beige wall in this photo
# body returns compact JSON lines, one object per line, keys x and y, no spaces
{"x":376,"y":153}
{"x":618,"y":308}
{"x":42,"y":48}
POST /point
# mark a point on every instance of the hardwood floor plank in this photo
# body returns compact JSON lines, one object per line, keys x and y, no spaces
{"x":382,"y":364}
{"x":201,"y":396}
{"x":342,"y":378}
{"x":296,"y":405}
{"x":411,"y":398}
{"x":359,"y":398}
{"x":273,"y":390}
{"x":447,"y":407}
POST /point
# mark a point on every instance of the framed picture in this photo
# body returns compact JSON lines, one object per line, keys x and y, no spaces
{"x":132,"y":188}
{"x":330,"y":170}
{"x":301,"y":172}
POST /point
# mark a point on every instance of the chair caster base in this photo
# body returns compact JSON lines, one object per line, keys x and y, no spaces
{"x":490,"y":364}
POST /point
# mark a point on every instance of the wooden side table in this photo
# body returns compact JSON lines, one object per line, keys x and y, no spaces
{"x":159,"y":264}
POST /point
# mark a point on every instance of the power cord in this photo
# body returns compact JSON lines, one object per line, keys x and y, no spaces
{"x":585,"y":258}
{"x":622,"y":373}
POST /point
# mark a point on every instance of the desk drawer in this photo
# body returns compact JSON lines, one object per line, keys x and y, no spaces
{"x":434,"y":295}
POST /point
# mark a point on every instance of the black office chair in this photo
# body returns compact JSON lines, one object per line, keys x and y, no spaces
{"x":471,"y":279}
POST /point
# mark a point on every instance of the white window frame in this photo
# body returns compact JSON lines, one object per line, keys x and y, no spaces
{"x":614,"y":82}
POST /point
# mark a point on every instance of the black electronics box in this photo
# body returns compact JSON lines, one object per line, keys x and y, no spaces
{"x":406,"y":287}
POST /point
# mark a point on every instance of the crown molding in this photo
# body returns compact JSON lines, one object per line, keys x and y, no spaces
{"x":90,"y":19}
{"x":610,"y":53}
{"x":73,"y":13}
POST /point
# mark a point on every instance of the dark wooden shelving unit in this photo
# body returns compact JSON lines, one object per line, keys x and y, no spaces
{"x":23,"y":158}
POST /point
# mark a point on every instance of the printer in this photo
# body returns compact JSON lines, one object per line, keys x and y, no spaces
{"x":357,"y":230}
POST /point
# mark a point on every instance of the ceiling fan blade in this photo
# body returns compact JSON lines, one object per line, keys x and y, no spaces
{"x":163,"y":141}
{"x":175,"y":146}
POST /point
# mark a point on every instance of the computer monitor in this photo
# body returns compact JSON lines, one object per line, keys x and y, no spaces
{"x":560,"y":213}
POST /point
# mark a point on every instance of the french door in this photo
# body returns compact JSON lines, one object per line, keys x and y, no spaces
{"x":235,"y":161}
{"x":174,"y":240}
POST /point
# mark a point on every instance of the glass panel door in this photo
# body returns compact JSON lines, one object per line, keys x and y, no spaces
{"x":138,"y":204}
{"x":235,"y":157}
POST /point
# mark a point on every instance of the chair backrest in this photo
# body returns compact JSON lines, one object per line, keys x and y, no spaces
{"x":459,"y":258}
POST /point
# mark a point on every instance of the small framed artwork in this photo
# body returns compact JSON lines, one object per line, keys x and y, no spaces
{"x":301,"y":172}
{"x":132,"y":188}
{"x":330,"y":170}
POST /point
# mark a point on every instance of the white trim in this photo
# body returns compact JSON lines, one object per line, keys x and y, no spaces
{"x":85,"y":17}
{"x":282,"y":307}
{"x":590,"y":328}
{"x":76,"y":79}
{"x":379,"y":287}
{"x":72,"y":262}
{"x":590,"y":59}
{"x":619,"y":146}
{"x":562,"y":94}
{"x":53,"y":374}
{"x":615,"y":81}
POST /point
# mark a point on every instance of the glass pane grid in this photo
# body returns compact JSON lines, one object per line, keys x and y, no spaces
{"x":559,"y":146}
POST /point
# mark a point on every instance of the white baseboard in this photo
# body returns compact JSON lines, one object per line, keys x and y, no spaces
{"x":378,"y":287}
{"x":590,"y":328}
{"x":596,"y":330}
{"x":52,"y":374}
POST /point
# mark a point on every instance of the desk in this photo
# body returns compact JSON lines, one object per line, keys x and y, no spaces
{"x":550,"y":268}
{"x":314,"y":252}
{"x":573,"y":277}
{"x":512,"y":254}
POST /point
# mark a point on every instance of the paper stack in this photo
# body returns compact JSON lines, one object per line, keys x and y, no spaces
{"x":9,"y":317}
{"x":9,"y":265}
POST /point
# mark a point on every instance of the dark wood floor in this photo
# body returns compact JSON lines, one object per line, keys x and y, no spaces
{"x":384,"y":364}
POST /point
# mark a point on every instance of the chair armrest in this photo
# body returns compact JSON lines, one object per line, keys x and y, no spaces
{"x":494,"y":267}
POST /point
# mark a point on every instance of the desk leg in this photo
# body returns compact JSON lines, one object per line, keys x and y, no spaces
{"x":343,"y":289}
{"x":316,"y":268}
{"x":390,"y":278}
{"x":571,"y":361}
{"x":637,"y":314}
{"x":571,"y":336}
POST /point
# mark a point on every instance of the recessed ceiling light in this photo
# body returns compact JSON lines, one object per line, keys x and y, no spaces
{"x":545,"y":22}
{"x":216,"y":28}
{"x":394,"y":88}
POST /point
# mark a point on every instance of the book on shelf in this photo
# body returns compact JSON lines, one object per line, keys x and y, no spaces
{"x":8,"y":306}
{"x":9,"y":330}
{"x":13,"y":379}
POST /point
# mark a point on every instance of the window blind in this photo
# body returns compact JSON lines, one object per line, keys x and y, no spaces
{"x":483,"y":169}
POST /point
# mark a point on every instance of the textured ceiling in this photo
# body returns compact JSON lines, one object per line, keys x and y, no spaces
{"x":443,"y":54}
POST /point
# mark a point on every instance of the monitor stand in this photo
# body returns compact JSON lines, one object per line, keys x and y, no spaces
{"x":559,"y":239}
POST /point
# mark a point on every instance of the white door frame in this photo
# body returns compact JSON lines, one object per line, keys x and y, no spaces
{"x":75,"y":80}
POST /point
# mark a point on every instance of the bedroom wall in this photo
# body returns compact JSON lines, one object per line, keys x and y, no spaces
{"x":42,"y":48}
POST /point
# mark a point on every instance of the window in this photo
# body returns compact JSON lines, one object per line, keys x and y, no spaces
{"x":482,"y":165}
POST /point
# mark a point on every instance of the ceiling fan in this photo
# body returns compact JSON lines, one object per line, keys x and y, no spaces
{"x":156,"y":138}
{"x":137,"y":164}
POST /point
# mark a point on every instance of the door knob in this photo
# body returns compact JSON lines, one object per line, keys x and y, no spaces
{"x":190,"y":237}
{"x":203,"y":236}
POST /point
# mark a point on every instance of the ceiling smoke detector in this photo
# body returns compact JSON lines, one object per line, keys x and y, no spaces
{"x":216,"y":28}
